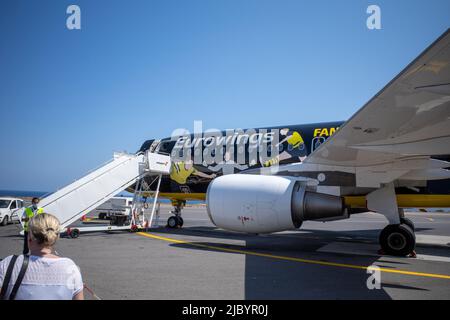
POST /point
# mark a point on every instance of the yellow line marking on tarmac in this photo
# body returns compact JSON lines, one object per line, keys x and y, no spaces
{"x":287,"y":258}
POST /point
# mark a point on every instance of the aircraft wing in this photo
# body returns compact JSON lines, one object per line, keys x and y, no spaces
{"x":408,"y":120}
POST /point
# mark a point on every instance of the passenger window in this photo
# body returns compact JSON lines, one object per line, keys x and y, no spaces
{"x":20,"y":204}
{"x":13,"y":205}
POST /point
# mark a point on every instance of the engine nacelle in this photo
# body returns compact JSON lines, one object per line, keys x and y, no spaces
{"x":265,"y":204}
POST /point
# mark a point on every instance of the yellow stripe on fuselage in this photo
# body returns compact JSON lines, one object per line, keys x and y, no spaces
{"x":406,"y":201}
{"x":403,"y":200}
{"x":181,"y":196}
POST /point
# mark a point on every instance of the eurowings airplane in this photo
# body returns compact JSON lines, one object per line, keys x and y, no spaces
{"x":392,"y":154}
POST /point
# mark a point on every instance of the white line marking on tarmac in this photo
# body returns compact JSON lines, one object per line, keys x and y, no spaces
{"x":431,"y":239}
{"x":369,"y":250}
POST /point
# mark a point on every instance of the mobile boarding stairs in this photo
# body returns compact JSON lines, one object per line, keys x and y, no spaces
{"x":75,"y":200}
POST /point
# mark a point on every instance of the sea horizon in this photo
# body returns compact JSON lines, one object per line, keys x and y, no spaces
{"x":22,"y":193}
{"x":40,"y":194}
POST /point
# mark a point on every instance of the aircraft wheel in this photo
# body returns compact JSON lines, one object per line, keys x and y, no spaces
{"x":172,"y":222}
{"x":408,"y":222}
{"x":180,"y":221}
{"x":74,"y":233}
{"x":398,"y":240}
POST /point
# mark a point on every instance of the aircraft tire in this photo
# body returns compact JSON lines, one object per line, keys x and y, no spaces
{"x":408,"y":222}
{"x":180,"y":221}
{"x":397,"y":240}
{"x":172,"y":222}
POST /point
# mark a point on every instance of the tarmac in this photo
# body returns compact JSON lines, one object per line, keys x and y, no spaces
{"x":199,"y":261}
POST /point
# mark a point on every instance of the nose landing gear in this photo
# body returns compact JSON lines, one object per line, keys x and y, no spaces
{"x":176,"y":221}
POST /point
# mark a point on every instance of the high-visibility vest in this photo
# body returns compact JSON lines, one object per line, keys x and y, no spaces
{"x":30,"y":214}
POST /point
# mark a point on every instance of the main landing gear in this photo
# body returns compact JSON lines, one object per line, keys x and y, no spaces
{"x":176,"y":221}
{"x":397,"y":238}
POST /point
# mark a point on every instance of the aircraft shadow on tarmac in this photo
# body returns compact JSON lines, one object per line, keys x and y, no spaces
{"x":271,"y":278}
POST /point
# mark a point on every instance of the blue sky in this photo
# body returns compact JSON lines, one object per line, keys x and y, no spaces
{"x":139,"y":69}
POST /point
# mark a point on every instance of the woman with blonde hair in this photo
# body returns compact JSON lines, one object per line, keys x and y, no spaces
{"x":42,"y":275}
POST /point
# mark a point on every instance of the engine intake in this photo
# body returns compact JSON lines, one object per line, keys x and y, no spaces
{"x":265,"y":204}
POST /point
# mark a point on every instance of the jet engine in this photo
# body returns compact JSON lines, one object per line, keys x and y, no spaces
{"x":266,"y":204}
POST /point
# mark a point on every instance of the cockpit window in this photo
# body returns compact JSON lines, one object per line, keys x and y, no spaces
{"x":166,"y":146}
{"x":146,"y":145}
{"x":4,"y":203}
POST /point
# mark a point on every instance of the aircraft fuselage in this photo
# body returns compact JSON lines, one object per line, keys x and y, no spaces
{"x":199,"y":158}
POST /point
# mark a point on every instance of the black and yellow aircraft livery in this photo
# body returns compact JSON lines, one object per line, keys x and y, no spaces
{"x":189,"y":180}
{"x":393,"y":153}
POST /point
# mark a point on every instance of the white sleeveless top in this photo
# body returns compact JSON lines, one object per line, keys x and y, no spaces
{"x":45,"y":279}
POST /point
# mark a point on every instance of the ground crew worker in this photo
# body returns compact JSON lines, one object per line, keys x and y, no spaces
{"x":29,"y":213}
